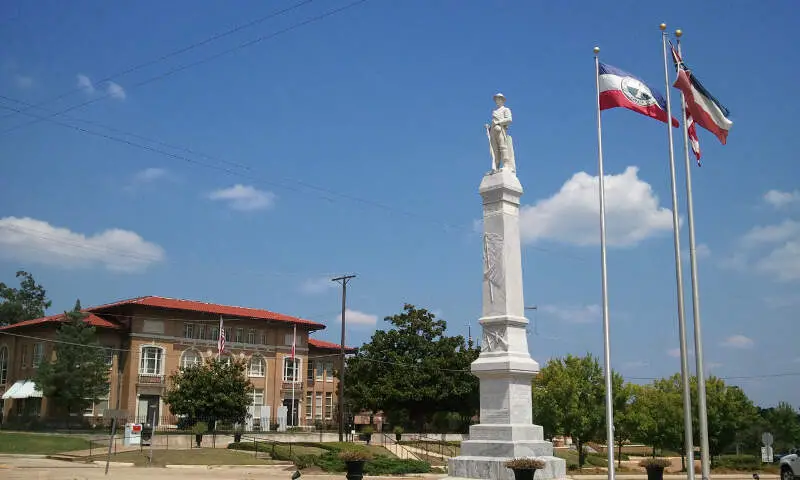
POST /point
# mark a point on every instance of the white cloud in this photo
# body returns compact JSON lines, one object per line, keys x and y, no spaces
{"x":150,"y":175}
{"x":317,"y":285}
{"x":244,"y":197}
{"x":37,"y":241}
{"x":779,"y":199}
{"x":738,"y":341}
{"x":571,"y":215}
{"x":23,"y":81}
{"x":574,"y":314}
{"x":115,"y":90}
{"x":773,"y":250}
{"x":676,"y":352}
{"x":85,"y":84}
{"x":354,"y":317}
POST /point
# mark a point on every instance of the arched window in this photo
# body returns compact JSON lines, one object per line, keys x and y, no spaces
{"x":3,"y":364}
{"x":152,"y":360}
{"x":256,"y":366}
{"x":190,"y":358}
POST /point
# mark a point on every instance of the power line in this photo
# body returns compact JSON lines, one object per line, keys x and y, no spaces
{"x":201,"y":61}
{"x":321,"y":191}
{"x":173,"y":53}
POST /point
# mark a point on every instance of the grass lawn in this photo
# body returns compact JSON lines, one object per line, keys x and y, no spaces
{"x":195,"y":456}
{"x":32,"y":443}
{"x":376,"y":450}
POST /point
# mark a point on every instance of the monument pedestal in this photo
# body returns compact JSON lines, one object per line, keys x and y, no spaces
{"x":505,"y":368}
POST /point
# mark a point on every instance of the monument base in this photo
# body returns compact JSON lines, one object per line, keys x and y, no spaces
{"x":493,"y":468}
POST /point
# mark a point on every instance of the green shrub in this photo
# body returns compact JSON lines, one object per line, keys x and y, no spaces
{"x":395,"y":466}
{"x":738,"y":462}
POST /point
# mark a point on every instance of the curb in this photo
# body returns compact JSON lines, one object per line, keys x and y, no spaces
{"x":102,"y":463}
{"x":21,"y":455}
{"x":226,"y":467}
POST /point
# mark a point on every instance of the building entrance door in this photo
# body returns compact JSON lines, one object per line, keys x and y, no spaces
{"x":292,"y":418}
{"x":148,"y":411}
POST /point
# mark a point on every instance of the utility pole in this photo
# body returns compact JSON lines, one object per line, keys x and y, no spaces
{"x":343,"y":280}
{"x":469,"y":332}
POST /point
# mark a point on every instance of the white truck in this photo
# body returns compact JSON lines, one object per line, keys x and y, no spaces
{"x":790,"y":466}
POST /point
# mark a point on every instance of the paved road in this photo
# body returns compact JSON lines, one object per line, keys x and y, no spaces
{"x":16,"y":468}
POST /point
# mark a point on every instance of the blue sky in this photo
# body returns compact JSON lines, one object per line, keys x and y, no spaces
{"x":355,"y":144}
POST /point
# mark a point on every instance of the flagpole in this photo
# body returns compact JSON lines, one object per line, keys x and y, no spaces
{"x":687,"y":401}
{"x":295,"y":373}
{"x":604,"y":277}
{"x":698,"y":342}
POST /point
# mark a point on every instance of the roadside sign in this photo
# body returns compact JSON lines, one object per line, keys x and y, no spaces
{"x":766,"y":455}
{"x":766,"y":439}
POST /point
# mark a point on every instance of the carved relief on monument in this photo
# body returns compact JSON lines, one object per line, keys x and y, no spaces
{"x":493,"y":263}
{"x":494,"y":339}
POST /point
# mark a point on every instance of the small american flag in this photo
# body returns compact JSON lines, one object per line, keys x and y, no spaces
{"x":294,"y":340}
{"x":221,"y":340}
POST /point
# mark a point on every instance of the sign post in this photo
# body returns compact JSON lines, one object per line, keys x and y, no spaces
{"x":766,"y":450}
{"x":114,"y":414}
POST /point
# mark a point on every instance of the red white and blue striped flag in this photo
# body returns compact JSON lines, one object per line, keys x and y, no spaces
{"x":706,"y":110}
{"x":221,"y":339}
{"x":619,"y":88}
{"x":694,"y":142}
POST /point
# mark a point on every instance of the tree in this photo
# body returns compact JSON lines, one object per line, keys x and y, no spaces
{"x":78,"y":376}
{"x":568,"y":399}
{"x":211,"y":392}
{"x":27,"y":302}
{"x":659,"y":411}
{"x":413,"y":371}
{"x":783,"y":422}
{"x":729,"y":412}
{"x":627,"y":419}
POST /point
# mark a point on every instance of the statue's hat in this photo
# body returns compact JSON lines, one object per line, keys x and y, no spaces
{"x":499,"y":95}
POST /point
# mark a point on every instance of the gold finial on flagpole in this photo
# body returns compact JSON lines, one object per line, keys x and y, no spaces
{"x":678,"y":33}
{"x":596,"y":50}
{"x":663,"y":26}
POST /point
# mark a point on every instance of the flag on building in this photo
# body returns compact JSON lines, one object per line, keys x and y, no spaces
{"x":704,"y":108}
{"x":694,"y":142}
{"x":619,"y":88}
{"x":221,"y":339}
{"x":294,"y":340}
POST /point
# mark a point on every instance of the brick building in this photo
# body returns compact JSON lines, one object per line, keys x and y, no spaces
{"x":148,"y":338}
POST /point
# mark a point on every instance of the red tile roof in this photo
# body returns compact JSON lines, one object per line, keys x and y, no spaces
{"x":91,"y":319}
{"x":213,"y":308}
{"x":313,"y":342}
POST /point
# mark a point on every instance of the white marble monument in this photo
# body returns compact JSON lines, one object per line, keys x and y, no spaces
{"x":505,"y":368}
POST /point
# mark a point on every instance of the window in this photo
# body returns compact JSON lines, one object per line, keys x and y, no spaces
{"x":256,"y":367}
{"x":201,"y":331}
{"x":190,"y":358}
{"x":328,"y":405}
{"x":320,"y":371}
{"x":318,"y":407}
{"x":38,"y":354}
{"x":287,"y":339}
{"x":151,"y":362}
{"x":309,"y":407}
{"x":188,"y":330}
{"x":291,"y":369}
{"x":96,"y":408}
{"x":214,"y":333}
{"x":228,"y":334}
{"x":263,"y":337}
{"x":239,"y":335}
{"x":3,"y":365}
{"x":108,"y":352}
{"x":328,"y":371}
{"x":258,"y":397}
{"x":24,"y":362}
{"x":310,"y":370}
{"x":251,"y":336}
